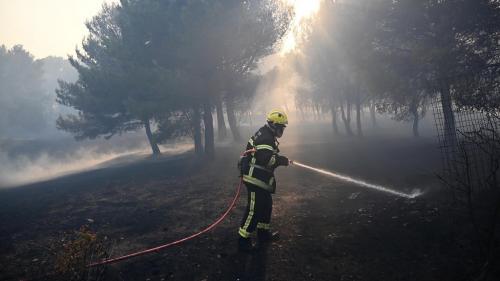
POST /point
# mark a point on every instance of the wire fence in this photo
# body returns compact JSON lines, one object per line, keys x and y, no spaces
{"x":469,"y":144}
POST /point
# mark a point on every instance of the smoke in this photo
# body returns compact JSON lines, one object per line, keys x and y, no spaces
{"x":281,"y":79}
{"x":24,"y":169}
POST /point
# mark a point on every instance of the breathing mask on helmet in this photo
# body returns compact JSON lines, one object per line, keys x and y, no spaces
{"x":277,"y":129}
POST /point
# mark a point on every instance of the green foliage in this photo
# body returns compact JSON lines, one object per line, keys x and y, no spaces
{"x":431,"y":45}
{"x":160,"y":60}
{"x":403,"y":53}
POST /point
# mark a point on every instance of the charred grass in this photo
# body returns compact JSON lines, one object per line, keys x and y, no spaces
{"x":329,"y":230}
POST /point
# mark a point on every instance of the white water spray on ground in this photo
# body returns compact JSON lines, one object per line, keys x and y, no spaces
{"x":414,"y":194}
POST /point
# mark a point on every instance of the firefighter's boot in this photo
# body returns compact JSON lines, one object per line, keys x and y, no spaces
{"x":245,"y":245}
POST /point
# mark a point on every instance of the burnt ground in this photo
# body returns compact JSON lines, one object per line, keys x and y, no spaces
{"x":330,"y":230}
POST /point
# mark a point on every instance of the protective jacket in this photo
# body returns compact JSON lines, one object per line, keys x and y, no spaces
{"x":258,"y":167}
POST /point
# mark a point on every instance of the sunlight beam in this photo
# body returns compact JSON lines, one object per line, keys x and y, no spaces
{"x":303,"y":11}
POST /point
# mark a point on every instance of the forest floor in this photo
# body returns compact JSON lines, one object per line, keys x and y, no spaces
{"x":330,"y":230}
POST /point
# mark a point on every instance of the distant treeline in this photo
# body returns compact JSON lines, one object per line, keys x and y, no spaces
{"x":28,"y":108}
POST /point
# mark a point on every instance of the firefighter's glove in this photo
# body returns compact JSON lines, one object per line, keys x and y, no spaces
{"x":283,"y":160}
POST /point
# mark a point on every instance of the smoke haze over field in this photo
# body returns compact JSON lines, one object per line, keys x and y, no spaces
{"x":286,"y":81}
{"x":191,"y":65}
{"x":23,"y":170}
{"x":20,"y":169}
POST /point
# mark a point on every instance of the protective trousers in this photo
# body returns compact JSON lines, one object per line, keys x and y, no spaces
{"x":258,"y":211}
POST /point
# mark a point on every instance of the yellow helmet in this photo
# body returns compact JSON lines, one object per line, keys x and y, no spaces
{"x":277,"y":116}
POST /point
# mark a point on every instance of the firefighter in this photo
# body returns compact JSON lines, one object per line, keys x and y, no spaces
{"x":257,"y":169}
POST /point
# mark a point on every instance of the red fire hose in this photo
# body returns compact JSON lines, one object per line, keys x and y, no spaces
{"x":161,"y":247}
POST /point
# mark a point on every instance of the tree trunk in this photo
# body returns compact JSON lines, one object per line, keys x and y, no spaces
{"x":450,"y":134}
{"x":358,"y":113}
{"x":414,"y":112}
{"x":373,"y":115}
{"x":198,"y":145}
{"x":231,"y":118}
{"x":348,"y":113}
{"x":346,"y":119}
{"x":415,"y":126}
{"x":335,"y":126}
{"x":152,"y":142}
{"x":209,"y":130}
{"x":221,"y":124}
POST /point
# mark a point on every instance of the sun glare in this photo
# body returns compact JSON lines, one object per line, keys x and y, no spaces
{"x":303,"y":10}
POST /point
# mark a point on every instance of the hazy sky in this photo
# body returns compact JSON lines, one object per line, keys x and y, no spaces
{"x":46,"y":27}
